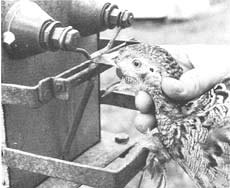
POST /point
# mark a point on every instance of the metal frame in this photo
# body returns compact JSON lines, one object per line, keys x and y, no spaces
{"x":77,"y":172}
{"x":60,"y":87}
{"x":82,"y":174}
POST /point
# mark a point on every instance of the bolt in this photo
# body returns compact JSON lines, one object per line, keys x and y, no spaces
{"x":130,"y":18}
{"x":68,"y":41}
{"x":126,"y":19}
{"x":72,"y":39}
{"x":50,"y":35}
{"x":111,"y":16}
{"x":114,"y":15}
{"x":121,"y":138}
{"x":55,"y":36}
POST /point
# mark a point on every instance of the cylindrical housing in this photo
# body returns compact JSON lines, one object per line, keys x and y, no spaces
{"x":86,"y":15}
{"x":25,"y":20}
{"x":29,"y":31}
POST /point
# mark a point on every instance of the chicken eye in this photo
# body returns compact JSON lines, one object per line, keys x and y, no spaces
{"x":151,"y":69}
{"x":136,"y":63}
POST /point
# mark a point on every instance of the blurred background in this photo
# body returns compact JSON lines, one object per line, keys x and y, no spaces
{"x":165,"y":22}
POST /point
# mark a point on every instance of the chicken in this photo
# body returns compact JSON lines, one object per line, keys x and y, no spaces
{"x":195,"y":134}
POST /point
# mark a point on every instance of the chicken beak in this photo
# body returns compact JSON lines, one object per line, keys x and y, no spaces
{"x":107,"y":59}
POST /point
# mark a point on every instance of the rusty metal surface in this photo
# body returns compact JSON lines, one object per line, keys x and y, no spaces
{"x":110,"y":176}
{"x":43,"y":130}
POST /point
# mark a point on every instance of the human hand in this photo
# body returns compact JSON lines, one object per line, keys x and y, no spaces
{"x":204,"y":66}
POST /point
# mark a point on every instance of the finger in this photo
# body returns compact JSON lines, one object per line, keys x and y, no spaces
{"x":144,"y":102}
{"x":191,"y":84}
{"x":145,"y":122}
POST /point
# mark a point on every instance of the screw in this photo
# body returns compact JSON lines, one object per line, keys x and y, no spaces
{"x":8,"y":37}
{"x":121,"y":138}
{"x":9,"y":41}
{"x":58,"y":87}
{"x":46,"y":95}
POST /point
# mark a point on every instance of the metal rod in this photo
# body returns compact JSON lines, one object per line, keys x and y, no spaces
{"x":107,"y":47}
{"x":111,"y":42}
{"x":84,"y":75}
{"x":117,"y":47}
{"x":84,"y":52}
{"x":74,"y":70}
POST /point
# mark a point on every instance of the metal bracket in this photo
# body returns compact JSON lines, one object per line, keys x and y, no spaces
{"x":52,"y":87}
{"x":115,"y":175}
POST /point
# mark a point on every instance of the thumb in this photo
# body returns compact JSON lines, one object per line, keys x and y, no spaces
{"x":191,"y":84}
